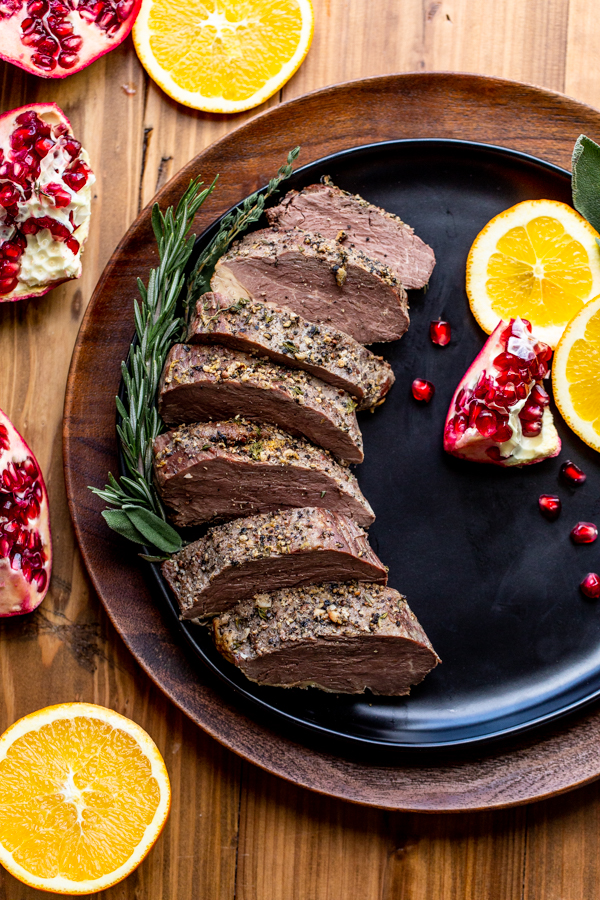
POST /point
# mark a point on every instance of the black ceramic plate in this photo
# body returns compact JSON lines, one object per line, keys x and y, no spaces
{"x":494,"y":585}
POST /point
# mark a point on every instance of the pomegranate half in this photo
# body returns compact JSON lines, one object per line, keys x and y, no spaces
{"x":25,"y":547}
{"x":45,"y":199}
{"x":55,"y":38}
{"x":500,"y":411}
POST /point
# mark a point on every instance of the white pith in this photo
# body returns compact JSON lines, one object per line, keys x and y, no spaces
{"x":485,"y":246}
{"x":46,"y":260}
{"x":70,"y":711}
{"x":162,"y":77}
{"x":574,"y":331}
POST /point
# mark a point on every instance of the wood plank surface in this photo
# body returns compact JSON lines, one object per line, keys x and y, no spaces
{"x":235,"y":831}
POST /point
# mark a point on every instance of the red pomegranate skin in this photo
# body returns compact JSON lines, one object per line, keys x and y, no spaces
{"x":422,"y":390}
{"x":25,"y":541}
{"x":584,"y":533}
{"x":56,"y":38}
{"x":590,"y":586}
{"x":440,"y":333}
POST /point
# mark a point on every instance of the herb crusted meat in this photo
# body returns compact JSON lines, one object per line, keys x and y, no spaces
{"x":337,"y":637}
{"x":222,"y":470}
{"x":327,"y":209}
{"x":268,"y":552}
{"x":323,"y":281}
{"x":202,"y":383}
{"x":287,"y":338}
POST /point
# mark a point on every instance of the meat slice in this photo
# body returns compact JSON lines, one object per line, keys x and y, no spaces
{"x":285,"y":337}
{"x":202,"y":383}
{"x":328,"y":210}
{"x":223,"y":470}
{"x":324,"y":281}
{"x":337,"y":637}
{"x":268,"y":552}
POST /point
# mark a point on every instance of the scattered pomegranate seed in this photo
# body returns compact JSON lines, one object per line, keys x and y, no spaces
{"x":584,"y":533}
{"x":550,"y":506}
{"x":571,"y":472}
{"x":440,"y":332}
{"x":422,"y":390}
{"x":590,"y":586}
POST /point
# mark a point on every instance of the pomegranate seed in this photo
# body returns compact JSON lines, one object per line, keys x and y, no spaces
{"x":584,"y":533}
{"x":29,"y":117}
{"x":43,"y":62}
{"x":486,"y":423}
{"x":48,"y":46}
{"x":124,"y":8}
{"x":571,"y":472}
{"x":7,"y":285}
{"x":68,"y":60}
{"x":550,"y":506}
{"x":59,"y":129}
{"x":531,"y":412}
{"x":503,"y":433}
{"x":439,"y":331}
{"x":9,"y":195}
{"x":61,"y":197}
{"x":41,"y":579}
{"x":73,"y":245}
{"x":27,"y":25}
{"x":539,"y":395}
{"x":531,"y":429}
{"x":72,"y":147}
{"x":12,"y":251}
{"x":60,"y":10}
{"x":590,"y":586}
{"x":422,"y":390}
{"x":22,"y":137}
{"x":43,"y":146}
{"x":37,"y":8}
{"x":494,"y":453}
{"x":8,"y":268}
{"x":63,"y":29}
{"x":505,"y":361}
{"x":75,"y":42}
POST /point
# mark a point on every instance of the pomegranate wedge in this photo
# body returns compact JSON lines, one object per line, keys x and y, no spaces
{"x":55,"y":38}
{"x":25,"y":548}
{"x":499,"y":413}
{"x":45,"y":196}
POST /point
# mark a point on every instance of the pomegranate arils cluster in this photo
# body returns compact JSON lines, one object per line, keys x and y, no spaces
{"x":501,"y":402}
{"x":25,"y":548}
{"x":54,"y":38}
{"x":45,"y":194}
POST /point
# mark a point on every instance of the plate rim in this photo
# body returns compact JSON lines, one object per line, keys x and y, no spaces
{"x":475,"y":89}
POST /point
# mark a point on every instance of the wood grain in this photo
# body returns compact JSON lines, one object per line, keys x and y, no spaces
{"x":55,"y":655}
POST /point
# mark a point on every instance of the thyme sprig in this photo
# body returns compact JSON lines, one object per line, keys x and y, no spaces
{"x":232,"y":226}
{"x":136,"y":510}
{"x":138,"y":513}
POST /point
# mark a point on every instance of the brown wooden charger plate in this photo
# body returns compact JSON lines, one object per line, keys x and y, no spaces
{"x":409,"y":106}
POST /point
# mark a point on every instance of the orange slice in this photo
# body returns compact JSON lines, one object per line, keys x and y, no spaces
{"x":84,"y":794}
{"x":576,"y":374}
{"x":222,"y":55}
{"x":538,"y":260}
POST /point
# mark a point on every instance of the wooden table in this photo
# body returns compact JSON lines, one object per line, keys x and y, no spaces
{"x":234,"y":831}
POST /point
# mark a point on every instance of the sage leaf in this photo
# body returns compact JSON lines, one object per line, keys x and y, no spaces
{"x":586,"y":180}
{"x":119,"y":521}
{"x":156,"y":531}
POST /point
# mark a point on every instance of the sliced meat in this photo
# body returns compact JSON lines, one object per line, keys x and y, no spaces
{"x":321,"y":280}
{"x":331,"y":355}
{"x":327,"y":209}
{"x":202,"y":383}
{"x":268,"y":552}
{"x":337,"y":637}
{"x":224,"y":470}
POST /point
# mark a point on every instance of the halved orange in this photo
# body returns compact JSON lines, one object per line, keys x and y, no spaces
{"x":576,"y":374}
{"x":84,"y":794}
{"x":538,"y":260}
{"x":222,"y":55}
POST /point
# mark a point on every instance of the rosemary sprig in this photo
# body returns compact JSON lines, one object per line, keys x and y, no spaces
{"x":138,"y":513}
{"x":231,"y":227}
